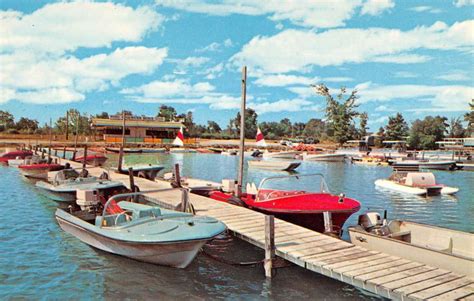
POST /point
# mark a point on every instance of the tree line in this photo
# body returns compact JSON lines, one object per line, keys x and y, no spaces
{"x":342,"y":123}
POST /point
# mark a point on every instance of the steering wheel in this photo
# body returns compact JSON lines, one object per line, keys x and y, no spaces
{"x":118,"y":215}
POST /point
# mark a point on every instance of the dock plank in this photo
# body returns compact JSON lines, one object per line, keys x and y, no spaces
{"x":415,"y":287}
{"x":441,"y":289}
{"x":455,"y":294}
{"x":414,"y":279}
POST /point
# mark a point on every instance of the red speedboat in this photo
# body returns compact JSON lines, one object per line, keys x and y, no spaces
{"x":281,"y":197}
{"x":95,"y":159}
{"x":20,"y":154}
{"x":39,"y":170}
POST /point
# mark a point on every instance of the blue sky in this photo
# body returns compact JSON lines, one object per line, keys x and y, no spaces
{"x":414,"y":57}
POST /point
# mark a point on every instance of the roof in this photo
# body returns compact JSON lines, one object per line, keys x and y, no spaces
{"x":103,"y":122}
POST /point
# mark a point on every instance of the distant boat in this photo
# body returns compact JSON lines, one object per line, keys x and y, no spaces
{"x":418,"y":183}
{"x":153,"y":150}
{"x":92,"y":158}
{"x":19,"y":154}
{"x":260,"y":140}
{"x":291,"y":154}
{"x":327,"y":157}
{"x":435,"y":246}
{"x":230,"y":152}
{"x":143,"y":170}
{"x":371,"y":161}
{"x":38,"y":170}
{"x":274,"y":165}
{"x":125,"y":150}
{"x":68,"y":181}
{"x":145,"y":233}
{"x":466,"y":166}
{"x":176,"y":150}
{"x":439,"y":165}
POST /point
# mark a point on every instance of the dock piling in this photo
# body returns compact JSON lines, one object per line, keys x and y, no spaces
{"x":177,"y":176}
{"x":269,"y":245}
{"x":84,"y":161}
{"x":64,"y":152}
{"x":328,"y":228}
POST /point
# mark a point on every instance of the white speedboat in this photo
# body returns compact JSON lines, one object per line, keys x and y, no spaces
{"x":435,"y":246}
{"x":465,"y":166}
{"x":438,"y":165}
{"x":274,"y":165}
{"x":327,"y":157}
{"x":290,"y":154}
{"x":419,"y":183}
{"x":142,"y":232}
{"x":177,"y":150}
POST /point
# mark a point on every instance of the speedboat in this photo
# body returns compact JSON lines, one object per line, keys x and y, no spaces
{"x":230,"y":152}
{"x":327,"y":157}
{"x":465,"y":166}
{"x":419,"y":183}
{"x":18,"y":154}
{"x":124,"y":150}
{"x":288,"y":198}
{"x":146,"y":171}
{"x":290,"y":154}
{"x":439,"y":165}
{"x":435,"y":246}
{"x":142,"y":232}
{"x":274,"y":165}
{"x":369,"y":160}
{"x":67,"y":181}
{"x":196,"y":186}
{"x":92,"y":158}
{"x":177,"y":150}
{"x":38,"y":169}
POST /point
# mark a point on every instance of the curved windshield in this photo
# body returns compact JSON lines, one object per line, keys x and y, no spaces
{"x":284,"y":186}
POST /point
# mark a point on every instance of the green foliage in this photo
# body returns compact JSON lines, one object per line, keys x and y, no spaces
{"x":6,"y":120}
{"x":27,"y":125}
{"x":103,"y":115}
{"x":77,"y":124}
{"x":213,"y":127}
{"x":250,"y":123}
{"x":167,"y":112}
{"x":469,"y":117}
{"x":363,"y":118}
{"x":456,"y":130}
{"x":397,"y":128}
{"x":340,"y":112}
{"x":424,"y":133}
{"x":315,"y":128}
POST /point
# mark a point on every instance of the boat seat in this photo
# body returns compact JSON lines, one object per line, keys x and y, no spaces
{"x":111,"y":220}
{"x":399,"y":234}
{"x":140,"y":210}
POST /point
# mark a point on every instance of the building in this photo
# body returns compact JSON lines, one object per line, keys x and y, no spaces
{"x":138,"y":129}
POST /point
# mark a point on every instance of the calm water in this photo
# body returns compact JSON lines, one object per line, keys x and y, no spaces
{"x":39,"y":261}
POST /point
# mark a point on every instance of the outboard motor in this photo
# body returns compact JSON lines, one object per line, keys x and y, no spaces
{"x":87,"y":199}
{"x":257,"y":153}
{"x":373,"y":223}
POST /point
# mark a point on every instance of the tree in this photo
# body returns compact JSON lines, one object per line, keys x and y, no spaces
{"x":103,"y":115}
{"x":363,"y":124}
{"x":77,"y":121}
{"x":7,"y":120}
{"x":27,"y":125}
{"x":397,"y":128}
{"x":469,"y":117}
{"x":314,"y":128}
{"x":213,"y":127}
{"x":380,"y":137}
{"x":340,"y":112}
{"x":424,"y":133}
{"x":455,"y":128}
{"x":250,"y":123}
{"x":167,"y":112}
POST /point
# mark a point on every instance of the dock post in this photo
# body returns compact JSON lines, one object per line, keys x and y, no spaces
{"x":84,"y":161}
{"x":185,"y":200}
{"x":132,"y":181}
{"x":64,"y":152}
{"x":327,"y":222}
{"x":242,"y":132}
{"x":120,"y":158}
{"x":177,"y":176}
{"x":269,"y":245}
{"x":73,"y":156}
{"x":42,"y":153}
{"x":55,"y":152}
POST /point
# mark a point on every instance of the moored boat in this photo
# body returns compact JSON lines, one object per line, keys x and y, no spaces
{"x":418,"y":183}
{"x":39,"y":170}
{"x":438,"y":165}
{"x":465,"y":166}
{"x":143,"y":170}
{"x":274,"y":165}
{"x":435,"y":246}
{"x":125,"y":150}
{"x":288,"y":198}
{"x":18,"y":154}
{"x":368,"y":160}
{"x":94,"y":159}
{"x":290,"y":154}
{"x":326,"y":157}
{"x":142,"y":232}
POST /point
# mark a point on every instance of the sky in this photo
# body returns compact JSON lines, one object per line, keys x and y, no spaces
{"x":412,"y":57}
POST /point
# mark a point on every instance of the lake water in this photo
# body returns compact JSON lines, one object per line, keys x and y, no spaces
{"x":40,"y":261}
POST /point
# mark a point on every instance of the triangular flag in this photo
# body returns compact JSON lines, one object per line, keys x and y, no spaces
{"x":179,"y":140}
{"x":260,"y":139}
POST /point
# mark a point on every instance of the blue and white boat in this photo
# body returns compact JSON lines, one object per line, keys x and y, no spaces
{"x":66,"y":182}
{"x":142,"y":232}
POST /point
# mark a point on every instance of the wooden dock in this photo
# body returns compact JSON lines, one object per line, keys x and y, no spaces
{"x":382,"y":274}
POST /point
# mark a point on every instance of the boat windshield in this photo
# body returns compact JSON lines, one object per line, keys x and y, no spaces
{"x":284,"y":186}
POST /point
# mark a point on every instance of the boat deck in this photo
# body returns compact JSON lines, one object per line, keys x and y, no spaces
{"x":382,"y":274}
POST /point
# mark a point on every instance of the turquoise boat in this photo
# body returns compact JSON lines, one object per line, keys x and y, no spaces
{"x":142,"y":232}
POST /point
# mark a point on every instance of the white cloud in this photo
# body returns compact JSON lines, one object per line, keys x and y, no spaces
{"x":424,"y":8}
{"x":338,"y":79}
{"x":405,"y":74}
{"x":284,"y":105}
{"x":296,"y":50}
{"x":308,"y":13}
{"x":216,"y":47}
{"x":384,"y":108}
{"x":376,"y":7}
{"x":461,"y":3}
{"x":183,"y":65}
{"x":456,"y":76}
{"x":281,"y":80}
{"x":448,"y":98}
{"x":50,"y":96}
{"x":213,"y":72}
{"x":60,"y":27}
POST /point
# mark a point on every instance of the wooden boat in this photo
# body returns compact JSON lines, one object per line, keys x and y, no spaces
{"x":197,"y":186}
{"x":419,"y":183}
{"x":94,"y":159}
{"x":215,"y":150}
{"x":370,"y":161}
{"x":465,"y":166}
{"x":142,"y":232}
{"x":327,"y":157}
{"x":435,"y":246}
{"x":67,"y":181}
{"x":425,"y":164}
{"x":125,"y":150}
{"x":230,"y":152}
{"x":274,"y":165}
{"x":39,"y":170}
{"x":288,"y":198}
{"x":142,"y":171}
{"x":19,"y":154}
{"x":290,"y":154}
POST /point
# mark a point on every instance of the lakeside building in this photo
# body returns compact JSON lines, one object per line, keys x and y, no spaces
{"x":138,"y":129}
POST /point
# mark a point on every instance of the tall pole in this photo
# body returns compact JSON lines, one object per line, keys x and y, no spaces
{"x":242,"y":132}
{"x":123,"y":128}
{"x":50,"y":137}
{"x":67,"y":125}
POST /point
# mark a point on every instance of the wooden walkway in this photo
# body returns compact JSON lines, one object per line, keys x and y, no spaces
{"x":385,"y":275}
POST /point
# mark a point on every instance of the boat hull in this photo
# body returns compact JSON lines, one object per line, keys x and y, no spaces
{"x":326,"y":157}
{"x":93,"y":160}
{"x":281,"y":155}
{"x":175,"y":254}
{"x":423,"y":254}
{"x":274,"y":165}
{"x":387,"y":184}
